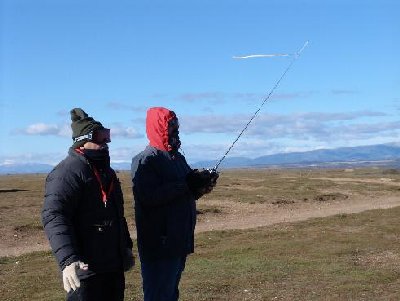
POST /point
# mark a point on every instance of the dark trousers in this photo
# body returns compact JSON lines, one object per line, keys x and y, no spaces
{"x":161,"y":278}
{"x":100,"y":287}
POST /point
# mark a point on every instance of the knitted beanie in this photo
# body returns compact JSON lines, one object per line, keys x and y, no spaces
{"x":82,"y":124}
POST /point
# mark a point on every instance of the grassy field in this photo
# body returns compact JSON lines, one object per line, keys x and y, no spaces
{"x":300,"y":185}
{"x":21,"y":197}
{"x":343,"y":257}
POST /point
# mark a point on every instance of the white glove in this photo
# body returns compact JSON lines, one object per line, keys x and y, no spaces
{"x":70,"y":279}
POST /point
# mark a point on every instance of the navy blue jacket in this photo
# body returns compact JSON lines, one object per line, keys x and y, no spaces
{"x":78,"y":224}
{"x":165,"y":209}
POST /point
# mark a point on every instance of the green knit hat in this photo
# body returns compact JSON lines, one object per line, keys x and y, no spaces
{"x":81,"y":125}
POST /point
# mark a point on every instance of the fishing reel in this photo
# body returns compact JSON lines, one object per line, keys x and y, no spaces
{"x":202,"y":181}
{"x":214,"y":175}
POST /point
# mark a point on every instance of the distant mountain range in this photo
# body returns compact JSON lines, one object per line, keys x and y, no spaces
{"x":19,"y":168}
{"x":386,"y":155}
{"x":382,"y":155}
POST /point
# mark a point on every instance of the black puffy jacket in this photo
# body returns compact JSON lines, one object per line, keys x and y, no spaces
{"x":77,"y":223}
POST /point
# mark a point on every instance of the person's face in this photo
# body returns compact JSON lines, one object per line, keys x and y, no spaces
{"x":94,"y":146}
{"x":99,"y":140}
{"x":173,"y":134}
{"x":173,"y":128}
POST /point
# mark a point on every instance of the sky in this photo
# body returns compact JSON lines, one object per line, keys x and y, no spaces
{"x":115,"y":59}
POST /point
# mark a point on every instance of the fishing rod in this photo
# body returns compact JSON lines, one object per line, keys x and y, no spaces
{"x":295,"y":57}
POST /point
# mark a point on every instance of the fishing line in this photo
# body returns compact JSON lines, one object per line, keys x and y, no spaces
{"x":295,"y":57}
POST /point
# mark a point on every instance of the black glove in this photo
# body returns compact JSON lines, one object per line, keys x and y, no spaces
{"x":201,"y":182}
{"x":214,"y":175}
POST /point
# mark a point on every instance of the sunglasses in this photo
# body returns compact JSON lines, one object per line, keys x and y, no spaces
{"x":97,"y":136}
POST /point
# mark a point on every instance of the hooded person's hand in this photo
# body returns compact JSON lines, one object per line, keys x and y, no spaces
{"x":214,"y":175}
{"x":70,"y":278}
{"x":201,"y":182}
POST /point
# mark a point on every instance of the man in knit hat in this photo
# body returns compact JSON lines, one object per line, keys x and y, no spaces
{"x":165,"y":192}
{"x":83,"y":216}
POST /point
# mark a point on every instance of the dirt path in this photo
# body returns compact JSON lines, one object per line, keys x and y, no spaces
{"x":244,"y":216}
{"x":232,"y":215}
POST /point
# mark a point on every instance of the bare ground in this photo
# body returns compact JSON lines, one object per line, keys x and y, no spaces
{"x":225,"y":214}
{"x":244,"y":216}
{"x":232,"y":215}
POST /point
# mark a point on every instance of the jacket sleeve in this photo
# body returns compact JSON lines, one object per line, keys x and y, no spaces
{"x":124,"y":225}
{"x":148,"y":185}
{"x":62,"y":191}
{"x":129,"y":242}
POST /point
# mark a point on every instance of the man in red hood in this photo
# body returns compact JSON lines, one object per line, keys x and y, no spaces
{"x":165,"y":191}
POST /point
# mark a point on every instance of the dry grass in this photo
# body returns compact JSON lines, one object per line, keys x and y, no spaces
{"x":290,"y":186}
{"x":344,"y":257}
{"x":21,"y":196}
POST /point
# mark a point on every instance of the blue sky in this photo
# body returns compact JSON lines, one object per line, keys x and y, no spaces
{"x":115,"y":59}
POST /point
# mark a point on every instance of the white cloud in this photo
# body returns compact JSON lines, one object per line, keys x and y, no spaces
{"x":246,"y":147}
{"x":51,"y":158}
{"x":125,"y":132}
{"x":250,"y":97}
{"x":43,"y":129}
{"x":64,"y":130}
{"x":208,"y":136}
{"x":8,"y":161}
{"x":124,"y":154}
{"x":318,"y":126}
{"x":115,"y":105}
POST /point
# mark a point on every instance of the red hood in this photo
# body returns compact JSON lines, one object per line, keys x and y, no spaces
{"x":157,"y":127}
